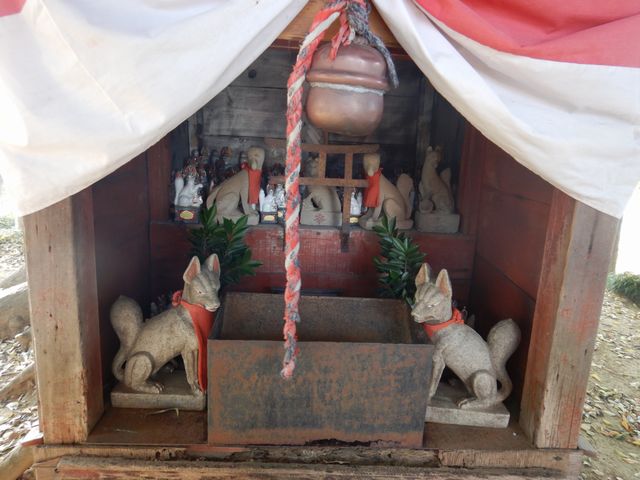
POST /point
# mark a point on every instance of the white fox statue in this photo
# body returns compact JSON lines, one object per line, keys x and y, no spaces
{"x":479,"y":364}
{"x":148,"y":346}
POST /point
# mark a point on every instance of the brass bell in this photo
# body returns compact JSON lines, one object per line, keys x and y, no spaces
{"x":346,"y":94}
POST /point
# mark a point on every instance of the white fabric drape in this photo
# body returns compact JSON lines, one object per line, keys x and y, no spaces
{"x":85,"y":86}
{"x":575,"y":125}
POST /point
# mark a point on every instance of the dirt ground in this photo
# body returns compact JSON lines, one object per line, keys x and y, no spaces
{"x":611,"y":421}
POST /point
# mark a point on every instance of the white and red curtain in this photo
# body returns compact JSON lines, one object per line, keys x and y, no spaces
{"x":85,"y":85}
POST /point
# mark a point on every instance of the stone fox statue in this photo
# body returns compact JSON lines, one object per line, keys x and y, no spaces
{"x":148,"y":346}
{"x":477,"y":363}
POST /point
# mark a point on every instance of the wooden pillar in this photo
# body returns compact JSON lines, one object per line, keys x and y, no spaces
{"x":574,"y":268}
{"x":61,"y":269}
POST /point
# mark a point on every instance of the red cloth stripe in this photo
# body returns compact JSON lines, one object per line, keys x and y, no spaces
{"x":575,"y":31}
{"x":11,"y":7}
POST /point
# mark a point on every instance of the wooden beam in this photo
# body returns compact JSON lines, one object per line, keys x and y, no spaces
{"x":61,"y":269}
{"x":574,"y":268}
{"x":77,"y":468}
{"x":325,"y":148}
{"x":299,"y":26}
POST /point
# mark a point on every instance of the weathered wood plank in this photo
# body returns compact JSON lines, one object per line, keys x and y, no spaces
{"x":159,"y":175}
{"x":509,"y":227}
{"x":495,"y":297}
{"x":76,"y":468}
{"x":503,"y":173}
{"x":246,"y":111}
{"x":121,"y":218}
{"x":61,"y":268}
{"x":471,"y":171}
{"x":574,"y":268}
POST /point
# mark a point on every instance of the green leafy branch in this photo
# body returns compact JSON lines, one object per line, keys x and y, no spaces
{"x":399,"y":262}
{"x":227,"y":240}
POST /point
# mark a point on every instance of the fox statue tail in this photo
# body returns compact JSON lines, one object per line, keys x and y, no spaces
{"x":126,"y":319}
{"x":503,"y":340}
{"x":405,"y":186}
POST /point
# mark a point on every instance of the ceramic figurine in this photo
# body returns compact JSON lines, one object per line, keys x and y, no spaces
{"x":268,"y":205}
{"x":243,"y":188}
{"x":479,"y":364}
{"x":322,"y":205}
{"x":436,"y":207}
{"x":146,"y":346}
{"x":355,"y":208}
{"x":189,"y":195}
{"x":381,"y":196}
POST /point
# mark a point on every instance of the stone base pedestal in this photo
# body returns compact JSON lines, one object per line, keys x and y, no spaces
{"x":176,"y":394}
{"x":437,"y":222}
{"x":443,"y":408}
{"x":320,"y":218}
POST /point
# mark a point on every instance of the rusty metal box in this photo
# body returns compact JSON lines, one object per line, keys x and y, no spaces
{"x":360,"y":376}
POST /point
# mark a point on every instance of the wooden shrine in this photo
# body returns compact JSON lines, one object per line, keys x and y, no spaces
{"x":525,"y":250}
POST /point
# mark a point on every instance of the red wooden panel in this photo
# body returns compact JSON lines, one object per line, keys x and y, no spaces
{"x":324,"y":265}
{"x":495,"y":297}
{"x":121,"y":216}
{"x":505,"y":174}
{"x":511,"y":236}
{"x":577,"y":250}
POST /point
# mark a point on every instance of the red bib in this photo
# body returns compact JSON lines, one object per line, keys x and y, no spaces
{"x":255,"y":176}
{"x":202,"y":323}
{"x":372,"y":192}
{"x":456,"y":318}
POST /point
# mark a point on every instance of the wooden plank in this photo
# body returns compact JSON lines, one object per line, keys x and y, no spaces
{"x":121,"y":219}
{"x":574,"y":269}
{"x":326,"y":148}
{"x":159,"y":173}
{"x":510,"y":452}
{"x":77,"y":468}
{"x":297,"y":30}
{"x":471,"y":172}
{"x":503,"y":173}
{"x":270,"y":70}
{"x":246,"y":111}
{"x":508,"y":227}
{"x":495,"y":297}
{"x":328,"y":181}
{"x":61,"y":268}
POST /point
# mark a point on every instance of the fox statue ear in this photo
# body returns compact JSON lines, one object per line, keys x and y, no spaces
{"x":423,"y":274}
{"x":213,"y":264}
{"x":444,"y":284}
{"x":192,"y":270}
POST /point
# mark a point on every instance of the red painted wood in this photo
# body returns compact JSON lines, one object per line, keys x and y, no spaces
{"x":324,"y":265}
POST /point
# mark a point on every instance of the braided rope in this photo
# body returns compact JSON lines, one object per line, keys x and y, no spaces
{"x":353,"y":15}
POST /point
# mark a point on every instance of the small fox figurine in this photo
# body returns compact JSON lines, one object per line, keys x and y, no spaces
{"x":477,"y":363}
{"x":148,"y":346}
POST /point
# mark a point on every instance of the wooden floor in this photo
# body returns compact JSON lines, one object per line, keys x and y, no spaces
{"x":124,"y":426}
{"x":130,"y":443}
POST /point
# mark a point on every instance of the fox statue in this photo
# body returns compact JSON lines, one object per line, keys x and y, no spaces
{"x":148,"y":346}
{"x":479,"y":364}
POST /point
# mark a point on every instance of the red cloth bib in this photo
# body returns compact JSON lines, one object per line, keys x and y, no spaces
{"x":202,"y":323}
{"x":372,"y":192}
{"x":255,"y":176}
{"x":456,"y":318}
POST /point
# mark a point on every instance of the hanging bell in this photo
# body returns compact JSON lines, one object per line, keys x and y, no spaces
{"x":346,"y":94}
